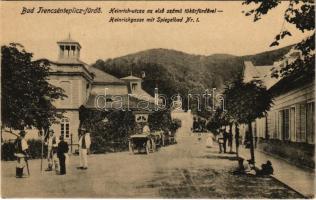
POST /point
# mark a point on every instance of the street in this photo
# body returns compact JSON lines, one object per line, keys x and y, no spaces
{"x":187,"y":169}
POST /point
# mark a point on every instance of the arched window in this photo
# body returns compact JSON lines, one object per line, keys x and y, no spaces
{"x":64,"y":128}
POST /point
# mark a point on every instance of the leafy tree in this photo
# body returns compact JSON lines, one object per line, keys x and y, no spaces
{"x":246,"y":102}
{"x":302,"y":15}
{"x":109,"y":129}
{"x":218,"y":119}
{"x":26,"y":94}
{"x":160,"y":120}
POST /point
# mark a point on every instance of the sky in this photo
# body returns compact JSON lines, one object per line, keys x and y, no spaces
{"x":227,"y":32}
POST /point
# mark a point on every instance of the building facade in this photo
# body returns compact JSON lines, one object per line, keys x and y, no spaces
{"x":288,"y":129}
{"x":83,"y":84}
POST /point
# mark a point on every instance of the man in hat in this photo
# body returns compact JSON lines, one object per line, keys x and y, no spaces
{"x":21,"y":148}
{"x":84,"y":146}
{"x":61,"y":151}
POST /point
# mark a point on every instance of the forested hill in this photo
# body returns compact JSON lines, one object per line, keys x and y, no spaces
{"x":179,"y":72}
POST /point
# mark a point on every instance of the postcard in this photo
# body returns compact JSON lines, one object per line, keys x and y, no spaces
{"x":158,"y":99}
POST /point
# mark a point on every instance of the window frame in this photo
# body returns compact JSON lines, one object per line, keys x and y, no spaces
{"x":65,"y":128}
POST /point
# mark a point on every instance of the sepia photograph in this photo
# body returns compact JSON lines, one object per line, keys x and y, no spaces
{"x":158,"y":99}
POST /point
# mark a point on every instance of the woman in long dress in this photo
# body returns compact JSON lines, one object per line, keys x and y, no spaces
{"x":209,"y":141}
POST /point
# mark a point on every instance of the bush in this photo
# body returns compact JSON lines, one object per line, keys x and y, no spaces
{"x":35,"y":150}
{"x":101,"y":145}
{"x":175,"y":125}
{"x":7,"y":151}
{"x":213,"y":127}
{"x":110,"y":135}
{"x":160,"y":120}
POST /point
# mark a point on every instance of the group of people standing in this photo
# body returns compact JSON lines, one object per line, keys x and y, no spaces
{"x":225,"y":138}
{"x":199,"y":125}
{"x":57,"y":152}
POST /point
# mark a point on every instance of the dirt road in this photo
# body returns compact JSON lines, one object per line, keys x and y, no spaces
{"x":186,"y":169}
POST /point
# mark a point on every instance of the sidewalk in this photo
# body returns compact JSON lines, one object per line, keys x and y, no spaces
{"x":299,"y":179}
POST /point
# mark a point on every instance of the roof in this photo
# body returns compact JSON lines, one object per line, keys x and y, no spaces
{"x":103,"y":77}
{"x":143,"y":95}
{"x":69,"y":41}
{"x":113,"y":102}
{"x":131,"y":77}
{"x":70,"y":61}
{"x":262,"y":73}
{"x":292,"y":81}
{"x":100,"y":77}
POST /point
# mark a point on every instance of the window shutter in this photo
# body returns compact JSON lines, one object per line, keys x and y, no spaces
{"x":292,"y":124}
{"x":303,"y":122}
{"x":298,"y":123}
{"x":310,"y":122}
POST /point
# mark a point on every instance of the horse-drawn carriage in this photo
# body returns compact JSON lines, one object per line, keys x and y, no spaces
{"x":142,"y":143}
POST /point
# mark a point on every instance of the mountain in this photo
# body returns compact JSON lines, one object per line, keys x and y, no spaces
{"x":179,"y":72}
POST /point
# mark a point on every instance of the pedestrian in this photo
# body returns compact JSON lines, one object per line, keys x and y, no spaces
{"x":220,"y":140}
{"x":230,"y":139}
{"x":146,"y":129}
{"x":225,"y":135}
{"x":195,"y":126}
{"x":162,"y":133}
{"x":209,"y":140}
{"x":21,"y":153}
{"x":247,"y":141}
{"x":62,"y":149}
{"x":169,"y":137}
{"x":237,"y":138}
{"x":165,"y":137}
{"x":203,"y":125}
{"x":266,"y":169}
{"x":55,"y":159}
{"x":199,"y":122}
{"x":49,"y":143}
{"x":84,"y":146}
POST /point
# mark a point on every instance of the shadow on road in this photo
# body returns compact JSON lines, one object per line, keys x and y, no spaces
{"x":231,"y":158}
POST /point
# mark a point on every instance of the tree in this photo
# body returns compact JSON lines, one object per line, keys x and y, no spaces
{"x":218,"y":119}
{"x":26,"y":94}
{"x":302,"y":15}
{"x":247,"y":101}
